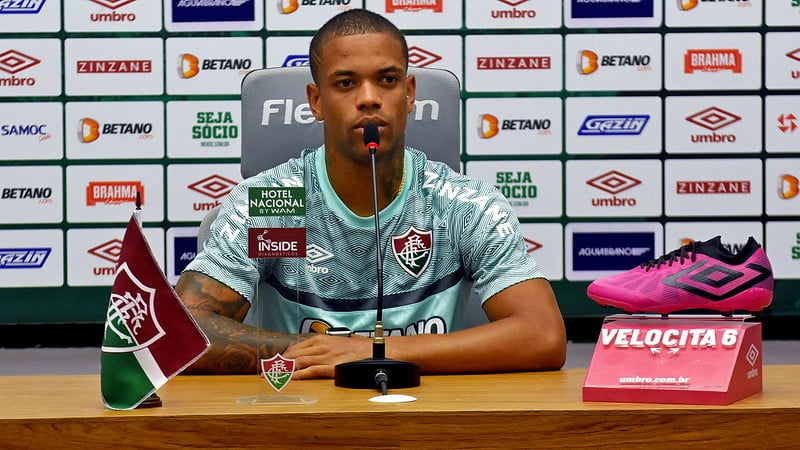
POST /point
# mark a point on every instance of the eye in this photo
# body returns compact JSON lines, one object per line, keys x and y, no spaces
{"x":390,"y":79}
{"x":344,"y":83}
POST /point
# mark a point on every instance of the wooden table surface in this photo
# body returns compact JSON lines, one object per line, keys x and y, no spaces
{"x":521,"y":410}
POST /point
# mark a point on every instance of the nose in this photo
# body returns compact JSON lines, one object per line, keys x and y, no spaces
{"x":369,"y":96}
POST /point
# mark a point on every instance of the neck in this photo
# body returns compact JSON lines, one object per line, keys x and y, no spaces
{"x":352,"y":181}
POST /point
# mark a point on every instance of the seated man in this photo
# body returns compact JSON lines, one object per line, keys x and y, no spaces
{"x":472,"y":240}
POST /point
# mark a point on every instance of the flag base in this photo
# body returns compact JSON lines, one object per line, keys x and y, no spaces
{"x":154,"y":401}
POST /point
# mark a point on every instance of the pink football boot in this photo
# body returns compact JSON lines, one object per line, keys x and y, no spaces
{"x":699,"y":275}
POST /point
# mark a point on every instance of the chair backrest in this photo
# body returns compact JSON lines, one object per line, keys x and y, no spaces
{"x":277,"y":122}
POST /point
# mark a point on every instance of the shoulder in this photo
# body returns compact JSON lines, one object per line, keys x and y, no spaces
{"x":289,"y":173}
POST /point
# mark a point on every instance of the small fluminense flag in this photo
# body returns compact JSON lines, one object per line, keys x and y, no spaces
{"x":149,"y":335}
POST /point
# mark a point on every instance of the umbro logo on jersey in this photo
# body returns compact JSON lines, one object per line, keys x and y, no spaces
{"x":717,"y":282}
{"x":413,"y":250}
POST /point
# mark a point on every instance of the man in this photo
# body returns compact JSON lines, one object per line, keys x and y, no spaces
{"x":359,"y":64}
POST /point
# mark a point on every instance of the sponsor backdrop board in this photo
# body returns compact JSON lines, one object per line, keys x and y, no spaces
{"x":617,"y":129}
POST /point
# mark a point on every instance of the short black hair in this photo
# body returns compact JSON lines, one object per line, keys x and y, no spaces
{"x":348,"y":23}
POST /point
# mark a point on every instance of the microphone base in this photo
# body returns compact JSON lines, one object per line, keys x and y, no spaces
{"x":361,"y":374}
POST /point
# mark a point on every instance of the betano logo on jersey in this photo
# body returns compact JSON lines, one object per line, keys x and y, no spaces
{"x":90,"y":130}
{"x":712,"y":60}
{"x":419,"y":57}
{"x":613,"y":182}
{"x":114,"y":192}
{"x":21,"y":6}
{"x":38,"y":130}
{"x":213,"y":186}
{"x":214,"y":128}
{"x":14,"y":62}
{"x":589,"y":62}
{"x":490,"y":125}
{"x":688,"y":5}
{"x":436,"y":6}
{"x":513,"y":62}
{"x":713,"y":119}
{"x":788,"y":186}
{"x":514,"y":12}
{"x":190,"y":65}
{"x":112,"y":16}
{"x":713,"y":187}
{"x":621,"y":125}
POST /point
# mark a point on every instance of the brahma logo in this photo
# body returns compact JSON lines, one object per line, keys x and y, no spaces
{"x":436,"y":6}
{"x":713,"y":187}
{"x":514,"y":13}
{"x":190,"y":65}
{"x":613,"y":182}
{"x":513,"y":62}
{"x":713,"y":119}
{"x":712,"y":60}
{"x":13,"y":62}
{"x":114,"y":192}
{"x":89,"y":129}
{"x":788,"y":186}
{"x":419,"y":57}
{"x":21,"y":6}
{"x":114,"y":66}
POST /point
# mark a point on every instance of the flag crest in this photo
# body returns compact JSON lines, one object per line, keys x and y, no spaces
{"x":149,"y":336}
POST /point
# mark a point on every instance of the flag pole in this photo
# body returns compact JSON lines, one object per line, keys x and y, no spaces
{"x":153,"y":401}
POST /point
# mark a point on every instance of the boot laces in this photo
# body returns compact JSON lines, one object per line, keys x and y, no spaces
{"x":688,"y":251}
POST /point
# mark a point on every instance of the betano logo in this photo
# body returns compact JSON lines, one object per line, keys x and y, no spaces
{"x":712,"y":60}
{"x":114,"y":192}
{"x":788,"y":186}
{"x":436,"y":6}
{"x":587,"y":62}
{"x":190,"y":65}
{"x":687,"y":5}
{"x":288,"y":6}
{"x":89,"y":129}
{"x":488,"y":126}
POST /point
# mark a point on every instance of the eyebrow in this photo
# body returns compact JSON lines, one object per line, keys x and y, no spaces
{"x":385,"y":70}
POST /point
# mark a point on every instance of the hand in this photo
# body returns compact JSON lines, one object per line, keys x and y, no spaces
{"x":317,"y":356}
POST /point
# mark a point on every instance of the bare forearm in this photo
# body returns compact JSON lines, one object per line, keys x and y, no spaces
{"x":236,"y":348}
{"x":502,"y":346}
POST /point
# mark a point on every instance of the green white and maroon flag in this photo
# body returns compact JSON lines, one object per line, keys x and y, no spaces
{"x":149,"y":335}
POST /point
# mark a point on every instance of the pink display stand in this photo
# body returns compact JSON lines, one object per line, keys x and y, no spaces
{"x":683,"y":359}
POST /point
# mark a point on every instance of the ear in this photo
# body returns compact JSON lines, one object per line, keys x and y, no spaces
{"x":411,"y":92}
{"x":312,"y":93}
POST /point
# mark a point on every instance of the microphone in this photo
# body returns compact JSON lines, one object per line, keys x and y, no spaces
{"x":376,"y":372}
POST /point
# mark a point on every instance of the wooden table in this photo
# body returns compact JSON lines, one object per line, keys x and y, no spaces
{"x":524,"y":410}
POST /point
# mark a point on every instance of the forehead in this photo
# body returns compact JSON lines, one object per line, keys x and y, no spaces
{"x":357,"y":50}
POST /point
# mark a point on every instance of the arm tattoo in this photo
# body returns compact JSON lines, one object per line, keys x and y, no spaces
{"x":235,"y":347}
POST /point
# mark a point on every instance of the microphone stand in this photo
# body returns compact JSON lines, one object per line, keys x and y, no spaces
{"x":379,"y":371}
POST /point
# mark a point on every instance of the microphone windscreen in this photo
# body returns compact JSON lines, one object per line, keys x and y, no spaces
{"x":371,"y":135}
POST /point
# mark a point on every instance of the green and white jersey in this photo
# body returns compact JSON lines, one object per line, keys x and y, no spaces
{"x":443,"y":236}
